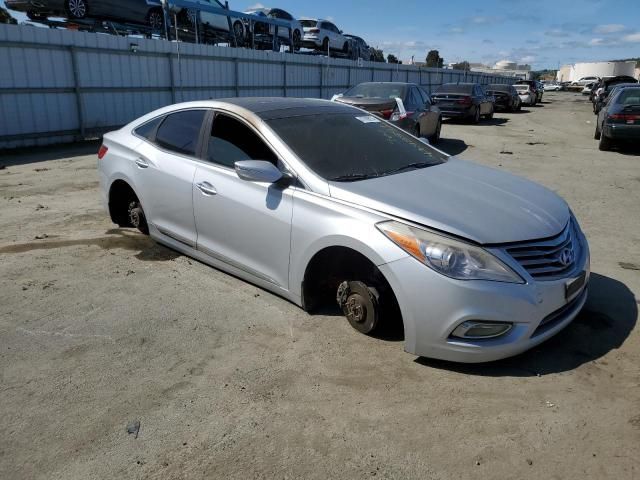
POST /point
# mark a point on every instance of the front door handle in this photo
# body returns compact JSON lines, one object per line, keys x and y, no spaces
{"x":206,"y":188}
{"x":141,"y":163}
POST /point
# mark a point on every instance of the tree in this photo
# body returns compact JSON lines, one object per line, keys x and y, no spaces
{"x":391,"y":58}
{"x":434,"y":60}
{"x":462,"y":66}
{"x":378,"y":55}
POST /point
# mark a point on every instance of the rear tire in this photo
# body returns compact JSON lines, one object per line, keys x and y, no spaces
{"x":475,"y":119}
{"x":155,"y":19}
{"x":77,"y":8}
{"x":137,"y":217}
{"x":297,"y":40}
{"x":597,"y":134}
{"x":238,"y":33}
{"x":435,"y":138}
{"x":605,"y":143}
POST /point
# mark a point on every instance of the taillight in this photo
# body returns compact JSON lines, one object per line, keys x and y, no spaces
{"x":102,"y":152}
{"x":386,"y":114}
{"x":624,"y":117}
{"x":465,"y":101}
{"x":397,"y":116}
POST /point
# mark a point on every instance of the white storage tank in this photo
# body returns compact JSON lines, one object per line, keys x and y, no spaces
{"x":602,"y":69}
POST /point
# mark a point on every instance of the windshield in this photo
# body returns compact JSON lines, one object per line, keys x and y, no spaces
{"x":353,"y":146}
{"x":376,"y":90}
{"x":308,"y":23}
{"x":454,"y":88}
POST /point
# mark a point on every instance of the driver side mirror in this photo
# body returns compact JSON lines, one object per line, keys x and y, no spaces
{"x":258,"y":171}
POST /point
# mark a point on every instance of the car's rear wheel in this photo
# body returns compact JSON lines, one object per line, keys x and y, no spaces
{"x":597,"y":134}
{"x":435,"y":138}
{"x":475,"y":119}
{"x":360,"y":304}
{"x":155,"y":19}
{"x":137,"y":217}
{"x":297,"y":40}
{"x":238,"y":33}
{"x":77,"y":8}
{"x":605,"y":143}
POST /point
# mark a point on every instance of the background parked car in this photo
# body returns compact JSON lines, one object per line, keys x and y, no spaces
{"x":585,"y":80}
{"x":142,"y":12}
{"x":607,"y":91}
{"x":219,"y":24}
{"x":506,"y":97}
{"x":619,"y":118}
{"x":464,"y":100}
{"x":527,"y":96}
{"x":5,"y":17}
{"x":360,"y":48}
{"x":324,"y":35}
{"x":588,"y":88}
{"x":552,"y":87}
{"x":420,"y":116}
{"x":534,"y":87}
{"x":605,"y":88}
{"x":269,"y":30}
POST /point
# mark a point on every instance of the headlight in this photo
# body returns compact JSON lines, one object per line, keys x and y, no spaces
{"x":450,"y":257}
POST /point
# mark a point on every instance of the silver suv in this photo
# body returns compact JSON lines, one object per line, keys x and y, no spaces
{"x":321,"y":202}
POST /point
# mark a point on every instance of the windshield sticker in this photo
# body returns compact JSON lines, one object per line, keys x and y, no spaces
{"x":368,"y":119}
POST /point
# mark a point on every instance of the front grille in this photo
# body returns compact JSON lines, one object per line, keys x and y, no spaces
{"x":550,"y":258}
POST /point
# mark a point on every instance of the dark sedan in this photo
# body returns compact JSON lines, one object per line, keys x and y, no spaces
{"x":605,"y":87}
{"x":506,"y":96}
{"x":405,"y":104}
{"x":141,"y":12}
{"x":464,"y":100}
{"x":619,"y":118}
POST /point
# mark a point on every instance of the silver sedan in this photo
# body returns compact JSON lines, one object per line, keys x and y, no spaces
{"x":321,"y":202}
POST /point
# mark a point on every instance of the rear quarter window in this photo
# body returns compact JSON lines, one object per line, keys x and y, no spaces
{"x":148,"y":130}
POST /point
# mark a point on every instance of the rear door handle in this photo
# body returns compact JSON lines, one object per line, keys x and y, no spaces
{"x":141,"y":163}
{"x":206,"y":188}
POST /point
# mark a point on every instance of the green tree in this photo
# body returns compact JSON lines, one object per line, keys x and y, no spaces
{"x":434,"y":60}
{"x":378,"y":55}
{"x":391,"y":58}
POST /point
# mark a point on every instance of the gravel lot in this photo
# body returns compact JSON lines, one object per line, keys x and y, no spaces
{"x":100,"y":327}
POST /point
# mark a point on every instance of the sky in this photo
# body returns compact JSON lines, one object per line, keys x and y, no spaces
{"x":542,"y":33}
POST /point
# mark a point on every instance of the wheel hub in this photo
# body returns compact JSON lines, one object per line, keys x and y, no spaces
{"x":78,"y":8}
{"x":356,"y":308}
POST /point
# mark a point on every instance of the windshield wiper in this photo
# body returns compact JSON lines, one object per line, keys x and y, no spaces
{"x":353,"y":177}
{"x":415,"y":165}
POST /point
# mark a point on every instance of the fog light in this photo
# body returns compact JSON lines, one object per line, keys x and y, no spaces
{"x":477,"y":330}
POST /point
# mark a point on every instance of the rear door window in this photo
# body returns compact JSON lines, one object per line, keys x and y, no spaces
{"x":148,"y":130}
{"x":180,"y":131}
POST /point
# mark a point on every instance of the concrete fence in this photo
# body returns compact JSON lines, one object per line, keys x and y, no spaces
{"x":60,"y":86}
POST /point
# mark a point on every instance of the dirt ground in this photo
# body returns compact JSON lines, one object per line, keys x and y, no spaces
{"x":100,"y":328}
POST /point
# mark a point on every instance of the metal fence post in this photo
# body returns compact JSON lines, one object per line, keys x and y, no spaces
{"x":321,"y":80}
{"x":77,"y":91}
{"x":236,"y":76}
{"x":284,"y":75}
{"x":349,"y":76}
{"x":172,"y":82}
{"x":373,"y":74}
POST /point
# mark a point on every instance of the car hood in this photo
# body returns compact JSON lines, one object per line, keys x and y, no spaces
{"x":481,"y":204}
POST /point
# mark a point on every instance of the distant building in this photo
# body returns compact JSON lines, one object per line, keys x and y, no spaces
{"x":573,"y":73}
{"x":504,"y":67}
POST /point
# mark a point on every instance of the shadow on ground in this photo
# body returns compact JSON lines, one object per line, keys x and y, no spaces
{"x":26,"y":156}
{"x":608,"y":318}
{"x":452,"y":146}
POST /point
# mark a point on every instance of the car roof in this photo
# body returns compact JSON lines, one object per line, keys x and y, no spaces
{"x":269,"y":108}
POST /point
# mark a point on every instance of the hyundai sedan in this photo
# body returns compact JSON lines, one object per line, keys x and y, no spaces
{"x":322,"y":202}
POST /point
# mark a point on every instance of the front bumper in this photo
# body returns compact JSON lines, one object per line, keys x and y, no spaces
{"x":433,"y":306}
